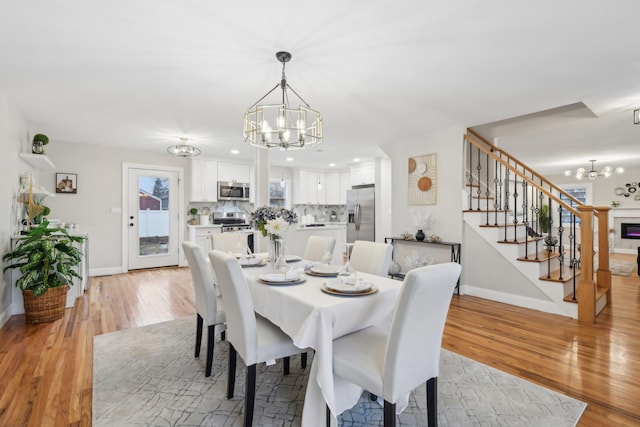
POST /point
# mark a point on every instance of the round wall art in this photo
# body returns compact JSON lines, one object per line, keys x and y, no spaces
{"x":422,"y":179}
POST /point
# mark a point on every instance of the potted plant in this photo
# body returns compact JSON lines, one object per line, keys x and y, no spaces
{"x":193,"y":212}
{"x":46,"y":258}
{"x":39,"y":141}
{"x":543,"y":217}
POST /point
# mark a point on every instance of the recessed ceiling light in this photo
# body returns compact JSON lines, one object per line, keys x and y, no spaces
{"x":332,"y":165}
{"x":356,"y":160}
{"x":234,"y":151}
{"x":289,"y":159}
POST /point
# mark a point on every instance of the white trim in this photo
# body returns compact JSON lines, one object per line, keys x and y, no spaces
{"x":517,"y":300}
{"x":125,"y":222}
{"x":107,"y":271}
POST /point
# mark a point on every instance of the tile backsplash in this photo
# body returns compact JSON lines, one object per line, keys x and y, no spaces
{"x":320,"y":213}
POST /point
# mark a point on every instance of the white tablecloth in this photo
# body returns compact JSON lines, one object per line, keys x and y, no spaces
{"x":314,"y":319}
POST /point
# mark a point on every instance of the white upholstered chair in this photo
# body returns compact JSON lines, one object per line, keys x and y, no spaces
{"x":371,"y":257}
{"x":230,"y":241}
{"x":317,"y":247}
{"x":209,"y":307}
{"x":391,"y":362}
{"x":254,"y":337}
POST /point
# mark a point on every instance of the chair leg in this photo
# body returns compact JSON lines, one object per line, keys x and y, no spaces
{"x":199,"y":322}
{"x":287,"y":364}
{"x":328,"y":416}
{"x":231,"y":377}
{"x":211,"y":331}
{"x":432,"y":402}
{"x":249,"y":395}
{"x":389,"y":414}
{"x":303,"y":360}
{"x":372,"y":397}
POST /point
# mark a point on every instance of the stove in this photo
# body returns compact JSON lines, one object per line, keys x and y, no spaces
{"x":231,"y":221}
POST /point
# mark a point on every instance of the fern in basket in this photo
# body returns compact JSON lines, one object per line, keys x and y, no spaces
{"x":45,"y":257}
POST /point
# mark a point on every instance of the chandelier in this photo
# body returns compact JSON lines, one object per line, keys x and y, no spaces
{"x":279,"y":125}
{"x":183,"y":149}
{"x":605,"y":172}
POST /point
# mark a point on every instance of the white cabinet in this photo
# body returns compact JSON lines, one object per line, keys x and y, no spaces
{"x":204,"y":180}
{"x":345,"y":184}
{"x":333,"y":188}
{"x":365,"y":174}
{"x":234,"y":172}
{"x":202,"y":236}
{"x":309,"y":192}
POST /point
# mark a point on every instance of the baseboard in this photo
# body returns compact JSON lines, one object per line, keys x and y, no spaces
{"x":108,"y":271}
{"x":625,"y":251}
{"x":6,"y":314}
{"x":517,"y":300}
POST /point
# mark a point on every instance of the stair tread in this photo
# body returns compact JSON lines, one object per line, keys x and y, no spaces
{"x":501,"y":225}
{"x":542,"y":256}
{"x":485,"y":210}
{"x":600,"y":291}
{"x":554,"y":276}
{"x":520,"y":240}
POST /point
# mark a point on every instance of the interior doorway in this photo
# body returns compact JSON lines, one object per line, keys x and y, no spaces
{"x":152,"y":216}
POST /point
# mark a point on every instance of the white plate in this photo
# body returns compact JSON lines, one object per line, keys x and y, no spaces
{"x":279,"y":278}
{"x":252,"y":262}
{"x":327,"y":289}
{"x":337,"y":285}
{"x":325,"y":269}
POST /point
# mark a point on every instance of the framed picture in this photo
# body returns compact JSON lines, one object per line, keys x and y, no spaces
{"x":66,"y":183}
{"x":423,"y":179}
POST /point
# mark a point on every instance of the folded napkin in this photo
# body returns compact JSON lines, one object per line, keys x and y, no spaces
{"x":290,"y":275}
{"x":355,"y":281}
{"x":250,"y":261}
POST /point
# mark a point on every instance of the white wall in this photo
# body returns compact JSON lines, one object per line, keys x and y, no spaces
{"x":447,"y":212}
{"x":99,"y":171}
{"x":13,"y":137}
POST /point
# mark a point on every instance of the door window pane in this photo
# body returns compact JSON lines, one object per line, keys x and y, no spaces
{"x":153,"y":215}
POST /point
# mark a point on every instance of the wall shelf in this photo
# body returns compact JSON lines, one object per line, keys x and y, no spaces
{"x":38,"y":161}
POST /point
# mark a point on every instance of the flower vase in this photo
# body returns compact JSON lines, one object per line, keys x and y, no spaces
{"x":420,"y":236}
{"x":276,"y":252}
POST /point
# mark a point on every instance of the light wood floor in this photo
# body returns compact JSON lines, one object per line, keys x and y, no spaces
{"x":46,"y":370}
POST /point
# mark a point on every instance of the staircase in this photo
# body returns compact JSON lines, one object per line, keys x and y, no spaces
{"x":546,"y":234}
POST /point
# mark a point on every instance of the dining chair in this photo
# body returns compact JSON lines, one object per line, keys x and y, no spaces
{"x":317,"y":247}
{"x":209,"y":306}
{"x":371,"y":257}
{"x":254,"y":337}
{"x":391,"y":362}
{"x":230,"y":241}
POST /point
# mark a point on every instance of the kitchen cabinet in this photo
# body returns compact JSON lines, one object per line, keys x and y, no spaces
{"x":364,"y":174}
{"x":202,"y":235}
{"x":332,"y":181}
{"x":345,"y":184}
{"x":204,"y":181}
{"x":234,"y":172}
{"x":309,"y":192}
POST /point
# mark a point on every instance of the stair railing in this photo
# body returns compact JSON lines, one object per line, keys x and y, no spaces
{"x":529,"y":215}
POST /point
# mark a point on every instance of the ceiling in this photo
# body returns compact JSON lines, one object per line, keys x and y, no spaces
{"x":144,"y":73}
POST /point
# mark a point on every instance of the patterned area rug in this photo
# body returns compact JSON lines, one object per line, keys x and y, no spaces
{"x":621,"y":268}
{"x":148,"y":377}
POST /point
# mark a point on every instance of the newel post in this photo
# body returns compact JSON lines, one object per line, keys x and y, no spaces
{"x":603,"y":275}
{"x":586,"y":286}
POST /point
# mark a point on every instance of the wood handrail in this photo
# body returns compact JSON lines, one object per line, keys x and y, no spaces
{"x":552,"y":196}
{"x":522,"y":165}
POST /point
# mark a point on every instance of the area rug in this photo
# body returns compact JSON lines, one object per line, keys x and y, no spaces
{"x":621,"y":268}
{"x":148,"y":377}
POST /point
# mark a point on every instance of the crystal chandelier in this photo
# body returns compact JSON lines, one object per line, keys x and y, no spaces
{"x":605,"y":172}
{"x":183,"y":149}
{"x":279,"y":125}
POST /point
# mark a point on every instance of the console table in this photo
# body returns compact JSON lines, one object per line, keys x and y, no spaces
{"x":455,"y":252}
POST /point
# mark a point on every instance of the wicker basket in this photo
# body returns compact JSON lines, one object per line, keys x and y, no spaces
{"x":47,"y":307}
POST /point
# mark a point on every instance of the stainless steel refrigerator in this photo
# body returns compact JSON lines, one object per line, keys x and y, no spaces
{"x":361,"y":214}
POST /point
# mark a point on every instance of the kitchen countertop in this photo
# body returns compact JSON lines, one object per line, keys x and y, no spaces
{"x":204,"y":226}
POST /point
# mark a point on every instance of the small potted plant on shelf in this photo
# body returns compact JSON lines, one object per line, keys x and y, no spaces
{"x":39,"y":141}
{"x":193,"y":212}
{"x":46,"y":258}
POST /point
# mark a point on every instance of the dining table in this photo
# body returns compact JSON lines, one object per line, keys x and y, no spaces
{"x":313,"y":318}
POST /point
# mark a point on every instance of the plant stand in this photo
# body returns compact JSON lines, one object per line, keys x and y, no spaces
{"x":47,"y":307}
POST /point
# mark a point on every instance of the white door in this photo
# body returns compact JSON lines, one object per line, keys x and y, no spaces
{"x":152,"y":218}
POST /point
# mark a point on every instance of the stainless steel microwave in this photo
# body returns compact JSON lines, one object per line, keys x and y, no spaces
{"x":233,"y":191}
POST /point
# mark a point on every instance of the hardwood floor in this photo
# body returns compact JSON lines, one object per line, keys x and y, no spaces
{"x":46,"y":370}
